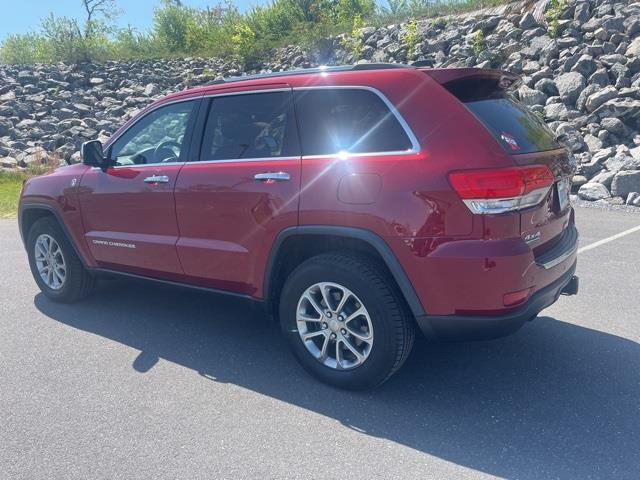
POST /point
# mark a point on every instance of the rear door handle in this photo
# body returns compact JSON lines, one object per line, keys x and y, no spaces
{"x":157,"y":179}
{"x":274,"y":176}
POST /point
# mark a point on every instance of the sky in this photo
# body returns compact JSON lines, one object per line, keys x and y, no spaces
{"x":21,"y":16}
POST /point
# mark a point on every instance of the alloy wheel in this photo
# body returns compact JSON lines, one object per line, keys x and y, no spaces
{"x":50,"y":262}
{"x":334,"y":326}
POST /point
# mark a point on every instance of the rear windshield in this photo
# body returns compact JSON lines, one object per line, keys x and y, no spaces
{"x":516,"y":128}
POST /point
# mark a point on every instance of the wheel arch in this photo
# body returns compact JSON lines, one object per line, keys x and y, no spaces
{"x":296,"y":244}
{"x":32,"y":212}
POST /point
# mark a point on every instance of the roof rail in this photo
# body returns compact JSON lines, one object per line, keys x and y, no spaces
{"x":305,"y":71}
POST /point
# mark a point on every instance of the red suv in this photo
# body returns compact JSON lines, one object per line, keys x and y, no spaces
{"x":355,"y":203}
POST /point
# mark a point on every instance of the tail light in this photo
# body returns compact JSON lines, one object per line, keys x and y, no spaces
{"x":502,"y":190}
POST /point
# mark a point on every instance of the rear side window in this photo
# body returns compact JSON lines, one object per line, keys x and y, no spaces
{"x":347,"y":120}
{"x":256,"y":125}
{"x":516,"y":128}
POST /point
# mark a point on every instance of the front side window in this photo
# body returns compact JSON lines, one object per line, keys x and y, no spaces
{"x":347,"y":120}
{"x":156,"y":138}
{"x":256,"y":125}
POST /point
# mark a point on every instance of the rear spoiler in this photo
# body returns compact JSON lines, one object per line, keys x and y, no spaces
{"x":469,"y":84}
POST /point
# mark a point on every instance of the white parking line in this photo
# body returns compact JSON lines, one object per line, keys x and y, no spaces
{"x":608,"y":239}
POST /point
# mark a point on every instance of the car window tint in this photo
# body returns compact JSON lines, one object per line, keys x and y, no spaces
{"x":156,"y":138}
{"x":518,"y":129}
{"x":256,"y":125}
{"x":349,"y":120}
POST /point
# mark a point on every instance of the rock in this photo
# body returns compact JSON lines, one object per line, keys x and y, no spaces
{"x":581,"y":12}
{"x":25,"y":77}
{"x":585,"y":66}
{"x":579,"y":180}
{"x":633,"y":199}
{"x":556,"y":111}
{"x":634,"y":48}
{"x":632,"y":25}
{"x":611,"y":201}
{"x":570,"y":85}
{"x":95,"y":81}
{"x":620,"y":162}
{"x":531,"y":97}
{"x":600,"y":97}
{"x":600,"y":77}
{"x":151,"y":89}
{"x":584,"y":96}
{"x":593,"y":191}
{"x":570,"y":137}
{"x":605,"y":178}
{"x":601,"y":34}
{"x":5,"y":127}
{"x":10,"y":95}
{"x":625,"y":182}
{"x":547,"y":86}
{"x":8,"y":162}
{"x":36,"y":155}
{"x":26,"y":124}
{"x":593,"y":143}
{"x":614,"y":126}
{"x":527,"y":21}
{"x":81,"y":108}
{"x":626,"y":108}
{"x":613,"y":24}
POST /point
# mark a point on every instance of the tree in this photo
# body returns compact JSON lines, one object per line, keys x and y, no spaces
{"x":93,"y":8}
{"x":395,"y":7}
{"x":104,"y":7}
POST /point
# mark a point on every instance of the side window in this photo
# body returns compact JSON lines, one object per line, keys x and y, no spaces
{"x":347,"y":120}
{"x":156,"y":138}
{"x":256,"y":125}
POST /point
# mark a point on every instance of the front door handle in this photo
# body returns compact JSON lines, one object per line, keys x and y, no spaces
{"x":157,"y":179}
{"x":273,"y":176}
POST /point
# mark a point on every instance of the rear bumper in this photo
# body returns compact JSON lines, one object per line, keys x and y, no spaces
{"x":459,"y":327}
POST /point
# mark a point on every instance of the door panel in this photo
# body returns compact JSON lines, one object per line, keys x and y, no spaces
{"x":128,"y":210}
{"x":228,"y":218}
{"x":129,"y":222}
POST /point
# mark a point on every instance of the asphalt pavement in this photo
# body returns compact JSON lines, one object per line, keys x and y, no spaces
{"x":149,"y":381}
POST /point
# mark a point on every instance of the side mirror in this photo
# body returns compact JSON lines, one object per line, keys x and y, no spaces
{"x":93,"y":155}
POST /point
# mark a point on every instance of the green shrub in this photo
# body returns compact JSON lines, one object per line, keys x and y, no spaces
{"x":353,"y":40}
{"x":554,"y":12}
{"x":220,"y":30}
{"x":243,"y":40}
{"x":411,"y":38}
{"x":479,"y":44}
{"x":25,"y":48}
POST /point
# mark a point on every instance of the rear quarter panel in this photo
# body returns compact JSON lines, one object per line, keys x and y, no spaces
{"x":416,"y":211}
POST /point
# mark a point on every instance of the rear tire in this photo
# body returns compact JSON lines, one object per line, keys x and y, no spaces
{"x":375,"y":320}
{"x":55,"y":266}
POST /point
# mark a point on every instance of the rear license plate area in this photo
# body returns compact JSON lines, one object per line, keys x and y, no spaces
{"x":563,"y":190}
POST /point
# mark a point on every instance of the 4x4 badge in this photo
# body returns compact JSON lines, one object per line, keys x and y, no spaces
{"x":532,"y":237}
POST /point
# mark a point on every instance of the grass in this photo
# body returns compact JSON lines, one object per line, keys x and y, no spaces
{"x":10,"y":186}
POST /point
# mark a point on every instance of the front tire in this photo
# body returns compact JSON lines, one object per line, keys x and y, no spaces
{"x":54,"y":264}
{"x":345,"y":320}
